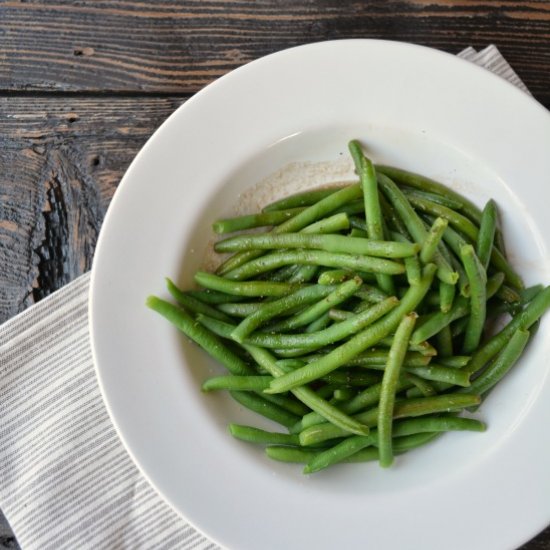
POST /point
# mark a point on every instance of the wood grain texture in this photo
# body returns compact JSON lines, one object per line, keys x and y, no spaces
{"x":179,"y":46}
{"x":61,"y":161}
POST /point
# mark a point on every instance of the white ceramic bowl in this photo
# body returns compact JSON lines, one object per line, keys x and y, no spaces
{"x":413,"y":107}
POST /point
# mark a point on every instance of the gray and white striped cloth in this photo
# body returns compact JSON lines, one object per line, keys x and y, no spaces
{"x":66,"y":481}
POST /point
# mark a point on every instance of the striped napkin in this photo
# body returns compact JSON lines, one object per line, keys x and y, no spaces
{"x":66,"y":481}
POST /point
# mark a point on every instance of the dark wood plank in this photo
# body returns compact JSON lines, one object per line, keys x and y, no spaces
{"x":179,"y":46}
{"x":61,"y":160}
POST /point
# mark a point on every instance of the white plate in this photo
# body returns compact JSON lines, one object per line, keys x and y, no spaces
{"x":413,"y":107}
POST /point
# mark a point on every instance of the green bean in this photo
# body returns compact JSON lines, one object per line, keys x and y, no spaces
{"x":423,"y":387}
{"x":405,"y":408}
{"x":267,"y":311}
{"x":240,"y":309}
{"x":301,"y":221}
{"x":371,"y":294}
{"x":433,"y":197}
{"x":305,"y":198}
{"x":352,"y":445}
{"x":439,"y":373}
{"x":380,"y":357}
{"x":373,"y":213}
{"x":456,"y":361}
{"x":369,"y":396}
{"x":240,"y":383}
{"x":332,"y":334}
{"x":238,"y":223}
{"x":390,"y":382}
{"x":200,"y":335}
{"x":446,"y":296}
{"x":256,"y":435}
{"x":523,"y":320}
{"x":287,"y":402}
{"x":363,"y":378}
{"x":301,"y":455}
{"x":339,"y":315}
{"x":319,"y":324}
{"x":509,"y":295}
{"x":477,"y":279}
{"x":193,"y":304}
{"x":313,"y":257}
{"x":498,"y":261}
{"x":365,"y":339}
{"x":335,"y":276}
{"x":330,"y":243}
{"x":335,"y":297}
{"x":289,"y":454}
{"x":358,"y":233}
{"x":308,"y":396}
{"x":414,"y":225}
{"x":247,"y":288}
{"x":339,"y":452}
{"x":304,"y":274}
{"x":261,"y":406}
{"x":426,"y":184}
{"x":343,"y":394}
{"x":459,"y":222}
{"x":435,"y":322}
{"x":214,"y":297}
{"x":433,"y":238}
{"x":527,"y":294}
{"x":444,"y":340}
{"x":502,"y":364}
{"x":486,"y":236}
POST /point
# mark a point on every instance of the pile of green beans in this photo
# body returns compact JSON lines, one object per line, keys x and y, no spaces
{"x":357,"y":317}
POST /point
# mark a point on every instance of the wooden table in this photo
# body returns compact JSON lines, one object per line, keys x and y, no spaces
{"x":83,"y":84}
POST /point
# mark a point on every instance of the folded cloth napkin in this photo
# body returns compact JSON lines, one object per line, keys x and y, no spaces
{"x":66,"y":481}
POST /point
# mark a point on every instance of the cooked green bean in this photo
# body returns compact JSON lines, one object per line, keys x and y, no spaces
{"x":261,"y":406}
{"x":446,"y":296}
{"x":447,"y":201}
{"x":373,"y":213}
{"x":335,"y":297}
{"x":193,"y":304}
{"x":335,"y":276}
{"x":433,"y":238}
{"x":308,"y":396}
{"x":352,"y":445}
{"x":256,"y":435}
{"x":240,"y":383}
{"x":444,"y":340}
{"x":532,"y":312}
{"x":246,"y":288}
{"x":365,"y":339}
{"x":404,"y":408}
{"x":300,"y":222}
{"x":415,"y":226}
{"x":331,"y":334}
{"x":200,"y":335}
{"x":426,"y":184}
{"x":502,"y":364}
{"x":423,"y":387}
{"x":305,"y":198}
{"x":477,"y":279}
{"x":268,"y":310}
{"x":458,"y":221}
{"x":274,"y":260}
{"x":238,"y":223}
{"x":330,"y":243}
{"x":390,"y":382}
{"x":486,"y":236}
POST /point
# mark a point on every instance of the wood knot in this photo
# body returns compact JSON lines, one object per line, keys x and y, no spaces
{"x":87,"y":51}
